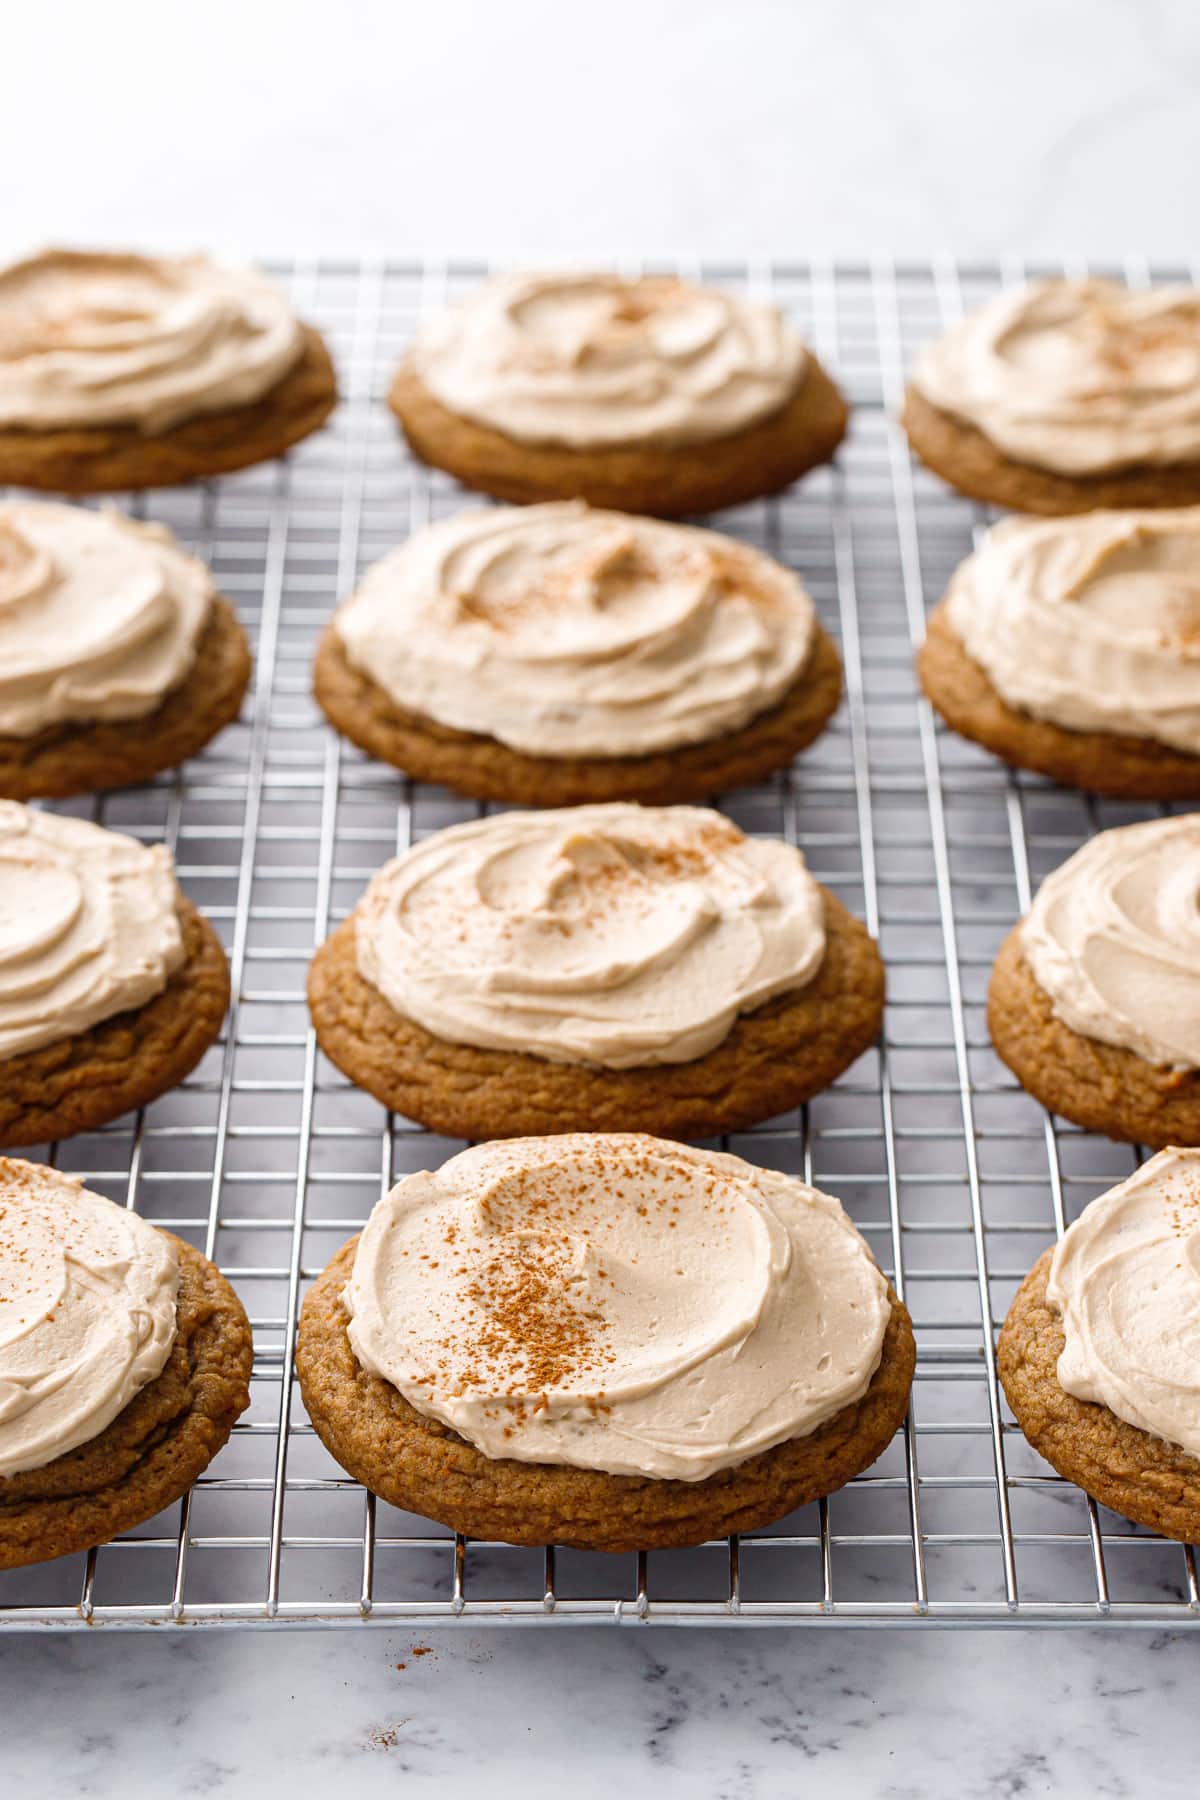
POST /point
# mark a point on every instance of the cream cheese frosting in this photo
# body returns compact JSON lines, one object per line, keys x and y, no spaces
{"x":1113,"y":937}
{"x":563,"y":631}
{"x":99,"y":615}
{"x":1125,"y":1281}
{"x":1091,"y":622}
{"x":1078,"y":377}
{"x":616,"y":1302}
{"x":89,"y":926}
{"x":616,"y":935}
{"x":592,"y":360}
{"x":95,"y":339}
{"x":87,"y":1312}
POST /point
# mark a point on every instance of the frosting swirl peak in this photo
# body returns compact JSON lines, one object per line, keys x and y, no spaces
{"x":1092,"y":622}
{"x":563,"y":631}
{"x":1076,"y":376}
{"x":616,"y":1302}
{"x":99,"y":615}
{"x":613,"y":935}
{"x":595,"y":360}
{"x":88,"y":338}
{"x":87,"y":1312}
{"x":1113,"y":936}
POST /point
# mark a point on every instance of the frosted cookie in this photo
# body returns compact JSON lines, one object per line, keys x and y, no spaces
{"x":123,"y":371}
{"x":118,"y":658}
{"x":492,"y":1351}
{"x":124,"y":1362}
{"x":1062,"y":396}
{"x":648,"y":395}
{"x":112,"y":985}
{"x":1072,"y":647}
{"x":1094,"y":1001}
{"x":1100,"y":1352}
{"x":596,"y":969}
{"x":553,"y":655}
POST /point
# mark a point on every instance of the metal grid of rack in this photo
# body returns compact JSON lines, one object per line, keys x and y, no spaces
{"x":267,"y":1159}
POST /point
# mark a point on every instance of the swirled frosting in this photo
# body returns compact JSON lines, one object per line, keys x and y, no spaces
{"x":88,"y":926}
{"x":1092,"y":622}
{"x":1113,"y":937}
{"x":87,"y":1312}
{"x":616,"y":1302}
{"x":590,"y":360}
{"x":99,"y":616}
{"x":1077,"y":377}
{"x":613,"y":935}
{"x":95,"y":339}
{"x":1125,"y":1281}
{"x":566,"y":632}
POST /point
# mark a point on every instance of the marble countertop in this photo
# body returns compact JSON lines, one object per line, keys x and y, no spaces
{"x":1052,"y":126}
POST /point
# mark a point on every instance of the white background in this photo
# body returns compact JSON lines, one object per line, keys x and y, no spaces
{"x":753,"y":126}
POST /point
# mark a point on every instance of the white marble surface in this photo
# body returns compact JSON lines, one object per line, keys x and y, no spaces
{"x":671,"y":125}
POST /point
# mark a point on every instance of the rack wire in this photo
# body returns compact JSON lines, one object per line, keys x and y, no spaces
{"x":267,"y":1159}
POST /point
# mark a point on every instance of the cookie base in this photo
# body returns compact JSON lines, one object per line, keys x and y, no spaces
{"x":153,"y":1450}
{"x":1139,"y":1476}
{"x":486,"y":769}
{"x":422,"y":1466}
{"x":1102,"y":1087}
{"x":1101,"y":762}
{"x":79,"y":759}
{"x":126,"y":1061}
{"x":772,"y":1059}
{"x":968,"y":460}
{"x":100,"y":459}
{"x":670,"y":482}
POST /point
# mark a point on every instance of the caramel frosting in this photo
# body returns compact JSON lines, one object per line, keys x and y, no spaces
{"x":616,"y":1302}
{"x":612,"y":935}
{"x":561,"y":631}
{"x":1114,"y":939}
{"x":99,"y":616}
{"x":1079,"y":377}
{"x":87,"y":1312}
{"x":1125,"y":1281}
{"x":595,"y":360}
{"x":1091,"y":622}
{"x":88,"y":926}
{"x":94,"y":339}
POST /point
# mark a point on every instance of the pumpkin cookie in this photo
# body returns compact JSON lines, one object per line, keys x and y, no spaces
{"x":117,"y":657}
{"x":131,"y":986}
{"x":608,"y":982}
{"x":540,"y":1298}
{"x":1065,"y":396}
{"x":121,"y":371}
{"x":1115,"y":1411}
{"x":137,"y":1423}
{"x":1095,"y":995}
{"x":647,"y":395}
{"x":552,"y":655}
{"x":1069,"y":647}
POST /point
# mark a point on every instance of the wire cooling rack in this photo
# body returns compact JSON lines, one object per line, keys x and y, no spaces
{"x":267,"y":1159}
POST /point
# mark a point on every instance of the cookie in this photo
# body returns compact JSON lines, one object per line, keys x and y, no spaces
{"x":1100,"y":1086}
{"x":1140,"y":1476}
{"x":97,"y":459}
{"x":485,"y":769}
{"x":1101,"y":762}
{"x":772,"y":1059}
{"x":968,"y":461}
{"x":83,"y":1081}
{"x":80,"y":759}
{"x":672,"y":483}
{"x":152,"y":1452}
{"x":420,"y":1465}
